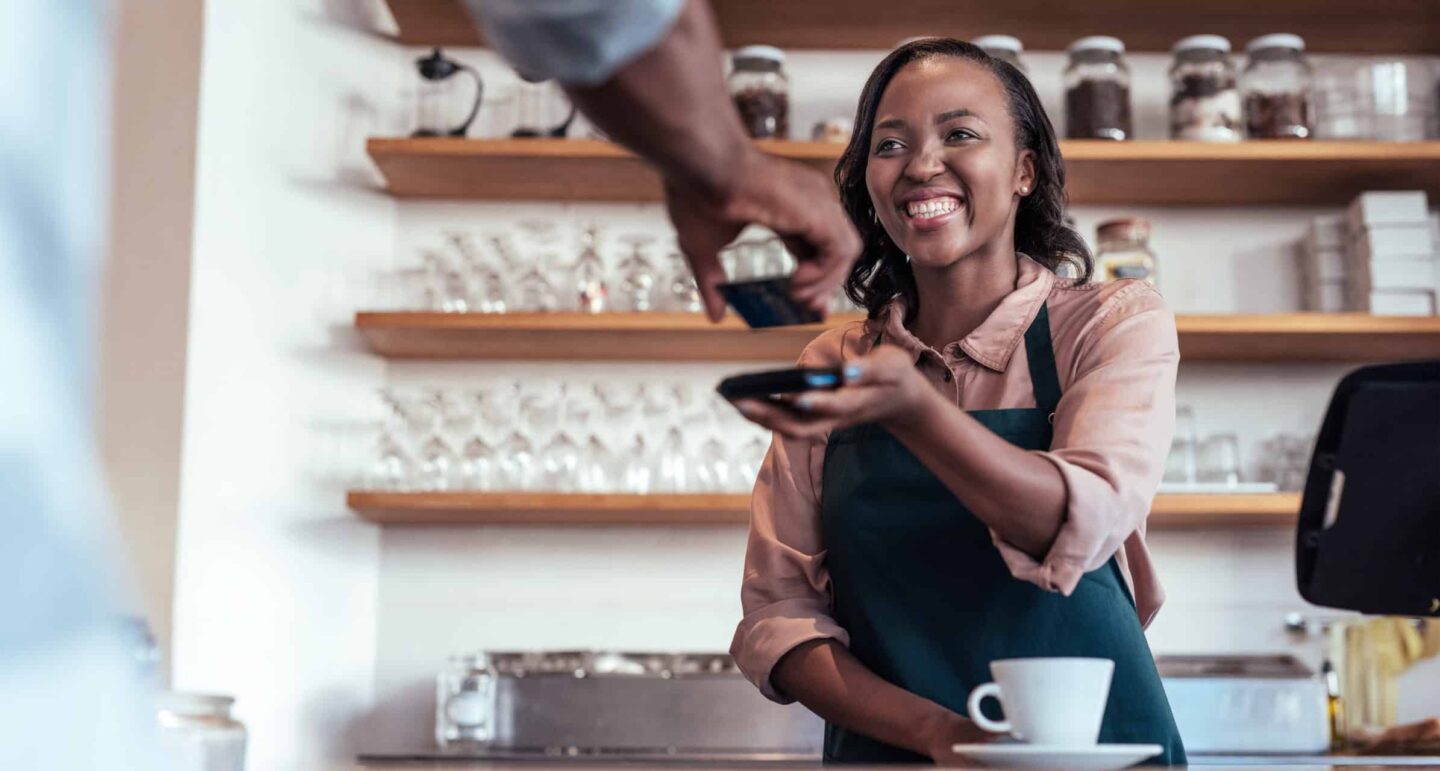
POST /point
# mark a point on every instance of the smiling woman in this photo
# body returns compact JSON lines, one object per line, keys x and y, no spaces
{"x":977,"y":489}
{"x":1030,"y":149}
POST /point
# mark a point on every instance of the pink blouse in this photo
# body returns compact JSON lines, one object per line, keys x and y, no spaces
{"x":1116,"y":352}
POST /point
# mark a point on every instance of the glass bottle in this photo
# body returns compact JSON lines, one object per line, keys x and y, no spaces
{"x":465,"y":702}
{"x":1275,"y":87}
{"x":1097,"y":90}
{"x":761,"y":91}
{"x":1124,"y":250}
{"x":1204,"y":102}
{"x":1006,"y":48}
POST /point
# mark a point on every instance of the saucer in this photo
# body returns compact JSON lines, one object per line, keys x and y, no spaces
{"x":1100,"y":757}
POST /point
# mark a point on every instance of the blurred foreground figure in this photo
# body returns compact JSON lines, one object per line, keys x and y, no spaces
{"x":70,"y":699}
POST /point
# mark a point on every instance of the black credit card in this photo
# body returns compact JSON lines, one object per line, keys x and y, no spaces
{"x":765,"y":302}
{"x":760,"y":385}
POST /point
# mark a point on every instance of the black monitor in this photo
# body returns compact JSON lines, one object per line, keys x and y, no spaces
{"x":1369,"y":531}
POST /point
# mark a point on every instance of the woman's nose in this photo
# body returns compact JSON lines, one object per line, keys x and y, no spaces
{"x":925,"y":164}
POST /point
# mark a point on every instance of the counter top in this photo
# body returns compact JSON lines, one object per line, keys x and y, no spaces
{"x":1210,"y":763}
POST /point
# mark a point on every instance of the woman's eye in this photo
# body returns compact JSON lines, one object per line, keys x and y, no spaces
{"x":886,"y":144}
{"x":959,"y":134}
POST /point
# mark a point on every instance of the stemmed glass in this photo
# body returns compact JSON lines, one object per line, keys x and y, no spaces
{"x":534,"y":292}
{"x":392,"y":469}
{"x":477,"y":457}
{"x":438,"y":461}
{"x":684,"y":293}
{"x":627,"y":452}
{"x":448,"y":292}
{"x":592,"y":293}
{"x":487,"y":289}
{"x":637,"y":275}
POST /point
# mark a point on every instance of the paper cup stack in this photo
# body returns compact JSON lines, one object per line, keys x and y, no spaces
{"x":1322,"y":265}
{"x":1391,"y":265}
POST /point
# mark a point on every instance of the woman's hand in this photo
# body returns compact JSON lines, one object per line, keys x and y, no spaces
{"x":880,"y":387}
{"x":950,"y":730}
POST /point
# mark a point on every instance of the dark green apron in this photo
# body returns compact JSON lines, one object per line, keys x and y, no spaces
{"x":929,"y":603}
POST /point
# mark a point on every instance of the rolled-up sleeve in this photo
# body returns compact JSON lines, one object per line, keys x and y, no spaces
{"x":785,"y":593}
{"x":574,"y":41}
{"x":1113,"y":428}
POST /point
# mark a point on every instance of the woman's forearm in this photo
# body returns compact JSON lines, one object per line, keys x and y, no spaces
{"x":825,"y":677}
{"x":1016,"y":493}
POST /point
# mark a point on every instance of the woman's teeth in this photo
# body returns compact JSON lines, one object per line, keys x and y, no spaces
{"x":931,"y":207}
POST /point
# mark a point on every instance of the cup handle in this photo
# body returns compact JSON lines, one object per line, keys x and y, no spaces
{"x":977,"y":717}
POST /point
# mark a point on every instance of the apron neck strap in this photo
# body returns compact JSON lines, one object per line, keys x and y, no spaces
{"x":1040,"y":353}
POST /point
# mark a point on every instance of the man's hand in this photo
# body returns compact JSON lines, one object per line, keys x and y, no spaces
{"x":795,"y":201}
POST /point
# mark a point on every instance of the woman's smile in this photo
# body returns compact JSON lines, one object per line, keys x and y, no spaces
{"x":930,"y":209}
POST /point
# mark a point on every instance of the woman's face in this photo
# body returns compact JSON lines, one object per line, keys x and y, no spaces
{"x":943,"y":172}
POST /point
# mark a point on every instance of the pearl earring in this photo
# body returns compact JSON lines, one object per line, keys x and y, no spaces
{"x":1024,"y":190}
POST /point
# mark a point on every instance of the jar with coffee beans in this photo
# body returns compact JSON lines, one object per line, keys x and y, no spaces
{"x":1097,"y":90}
{"x":761,"y":91}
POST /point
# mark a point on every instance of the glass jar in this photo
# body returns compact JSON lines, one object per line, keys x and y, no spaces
{"x":197,"y":732}
{"x":1275,"y":87}
{"x":1124,"y":250}
{"x":1204,"y":102}
{"x":761,"y":91}
{"x":1006,"y":48}
{"x":465,"y":702}
{"x":1097,"y":90}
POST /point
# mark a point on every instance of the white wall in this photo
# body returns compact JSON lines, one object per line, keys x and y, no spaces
{"x":454,"y":589}
{"x":147,"y":286}
{"x":275,"y":582}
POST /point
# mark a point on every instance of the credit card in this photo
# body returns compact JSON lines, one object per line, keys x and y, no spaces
{"x":765,"y":302}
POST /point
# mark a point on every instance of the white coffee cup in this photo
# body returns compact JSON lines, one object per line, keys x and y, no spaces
{"x":1052,"y":701}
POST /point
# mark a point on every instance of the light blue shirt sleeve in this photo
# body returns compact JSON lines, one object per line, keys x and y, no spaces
{"x":61,"y":653}
{"x":581,"y":42}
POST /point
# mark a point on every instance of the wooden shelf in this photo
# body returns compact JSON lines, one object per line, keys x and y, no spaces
{"x":466,"y":508}
{"x":578,"y":336}
{"x":1350,"y":26}
{"x":1345,"y":337}
{"x":1152,"y":173}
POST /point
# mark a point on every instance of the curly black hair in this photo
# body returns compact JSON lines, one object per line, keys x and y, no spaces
{"x":883,"y":272}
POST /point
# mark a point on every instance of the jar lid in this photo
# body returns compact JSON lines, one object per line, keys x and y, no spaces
{"x":1002,"y":42}
{"x":765,"y":53}
{"x":1276,"y":40}
{"x":1202,"y":42}
{"x":1097,"y":43}
{"x":1124,"y":229}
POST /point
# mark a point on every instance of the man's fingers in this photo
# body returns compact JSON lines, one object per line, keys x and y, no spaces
{"x":830,"y":247}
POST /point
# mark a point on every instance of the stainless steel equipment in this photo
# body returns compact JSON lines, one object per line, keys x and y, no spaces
{"x":1246,"y":704}
{"x":615,"y":705}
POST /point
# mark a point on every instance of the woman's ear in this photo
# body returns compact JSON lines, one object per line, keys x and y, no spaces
{"x":1025,"y":173}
